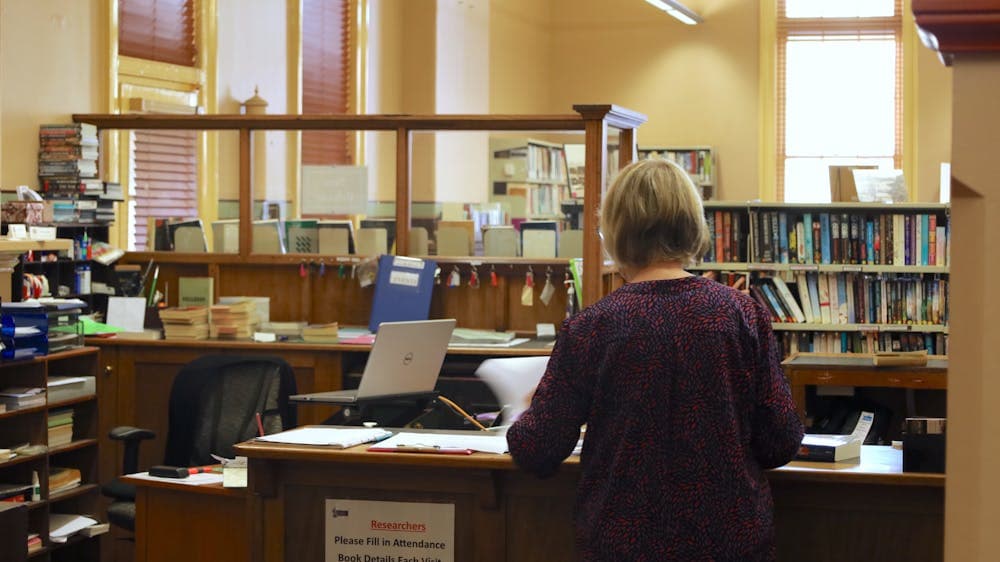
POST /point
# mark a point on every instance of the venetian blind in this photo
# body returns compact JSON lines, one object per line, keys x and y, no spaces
{"x":164,"y":179}
{"x":326,"y":77}
{"x":159,"y":30}
{"x":833,"y":31}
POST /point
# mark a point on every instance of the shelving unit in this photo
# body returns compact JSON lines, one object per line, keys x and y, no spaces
{"x":699,"y":162}
{"x":63,"y":271}
{"x":531,"y":171}
{"x":30,"y":425}
{"x":895,"y":256}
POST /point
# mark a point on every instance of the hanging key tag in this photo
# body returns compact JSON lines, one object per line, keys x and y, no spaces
{"x":528,"y":291}
{"x":455,"y":278}
{"x":302,"y":270}
{"x":322,"y":268}
{"x":548,"y":290}
{"x":570,"y":296}
{"x":474,"y":278}
{"x":493,"y":277}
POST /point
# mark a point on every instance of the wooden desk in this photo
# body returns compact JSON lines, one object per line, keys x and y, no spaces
{"x":824,"y":512}
{"x":804,"y":369}
{"x":183,"y":522}
{"x":138,"y":376}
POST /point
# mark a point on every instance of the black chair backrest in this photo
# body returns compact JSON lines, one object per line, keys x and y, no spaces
{"x":214,"y":404}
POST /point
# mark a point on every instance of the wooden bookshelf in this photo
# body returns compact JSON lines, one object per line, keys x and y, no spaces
{"x":889,"y":272}
{"x":30,"y":425}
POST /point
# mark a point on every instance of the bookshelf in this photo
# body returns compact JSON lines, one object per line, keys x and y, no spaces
{"x":76,"y":449}
{"x":699,"y":162}
{"x":861,"y":277}
{"x":530,"y":176}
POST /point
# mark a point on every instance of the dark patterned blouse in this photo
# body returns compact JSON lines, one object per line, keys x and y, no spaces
{"x":680,"y":385}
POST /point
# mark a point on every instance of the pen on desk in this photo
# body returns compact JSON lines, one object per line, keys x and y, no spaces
{"x":260,"y":426}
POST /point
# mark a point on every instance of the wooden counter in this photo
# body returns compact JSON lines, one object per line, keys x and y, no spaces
{"x":823,"y":511}
{"x":138,"y":376}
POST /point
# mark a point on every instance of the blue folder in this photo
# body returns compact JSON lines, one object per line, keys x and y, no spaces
{"x":403,"y":289}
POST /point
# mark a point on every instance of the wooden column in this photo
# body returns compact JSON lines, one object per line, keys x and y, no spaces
{"x":402,"y":191}
{"x":967,"y":36}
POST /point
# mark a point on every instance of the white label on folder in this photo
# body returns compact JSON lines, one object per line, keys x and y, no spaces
{"x":409,"y":263}
{"x":383,"y":530}
{"x":404,"y":278}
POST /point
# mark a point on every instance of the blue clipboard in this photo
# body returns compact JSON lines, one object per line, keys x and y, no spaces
{"x":403,"y":288}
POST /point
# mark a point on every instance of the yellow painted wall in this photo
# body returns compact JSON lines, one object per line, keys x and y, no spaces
{"x":933,"y":122}
{"x":697,"y":84}
{"x":521,"y":57}
{"x":253,"y":52}
{"x":52,"y":64}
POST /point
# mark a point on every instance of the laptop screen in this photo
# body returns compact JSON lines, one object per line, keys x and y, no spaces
{"x":406,"y":357}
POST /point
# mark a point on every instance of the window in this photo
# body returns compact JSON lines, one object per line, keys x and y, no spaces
{"x":162,"y":165}
{"x":839,"y":74}
{"x":326,"y":72}
{"x":160,"y":30}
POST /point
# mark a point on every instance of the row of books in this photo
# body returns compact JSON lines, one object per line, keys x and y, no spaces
{"x":854,"y":298}
{"x":546,"y":163}
{"x":698,"y":163}
{"x":728,"y":236}
{"x":861,"y":342}
{"x":843,"y":238}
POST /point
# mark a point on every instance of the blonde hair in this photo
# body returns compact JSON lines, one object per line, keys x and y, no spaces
{"x":653,"y":213}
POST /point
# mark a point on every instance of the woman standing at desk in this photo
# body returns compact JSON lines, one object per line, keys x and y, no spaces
{"x":679,"y":381}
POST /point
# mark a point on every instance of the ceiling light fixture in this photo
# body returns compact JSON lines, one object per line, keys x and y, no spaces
{"x":678,"y":10}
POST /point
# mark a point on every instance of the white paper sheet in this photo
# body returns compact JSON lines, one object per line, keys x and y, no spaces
{"x":513,"y":380}
{"x":330,"y":436}
{"x":481,"y":442}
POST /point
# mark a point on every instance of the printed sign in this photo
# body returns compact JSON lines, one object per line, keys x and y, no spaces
{"x":384,"y":531}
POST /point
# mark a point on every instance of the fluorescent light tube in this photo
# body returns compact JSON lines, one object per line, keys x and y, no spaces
{"x":677,"y":10}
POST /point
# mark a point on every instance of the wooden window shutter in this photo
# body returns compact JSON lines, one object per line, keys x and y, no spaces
{"x":159,"y":30}
{"x":326,"y":72}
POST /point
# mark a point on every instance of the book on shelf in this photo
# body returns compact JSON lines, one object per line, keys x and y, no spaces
{"x":195,"y":291}
{"x":63,"y":478}
{"x":61,"y":388}
{"x":15,"y":493}
{"x":17,"y":397}
{"x":34,"y":543}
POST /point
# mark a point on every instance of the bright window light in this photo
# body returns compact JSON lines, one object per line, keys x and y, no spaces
{"x":839,"y":8}
{"x":839,"y":109}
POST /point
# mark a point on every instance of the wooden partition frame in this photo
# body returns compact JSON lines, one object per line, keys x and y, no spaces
{"x":593,"y":120}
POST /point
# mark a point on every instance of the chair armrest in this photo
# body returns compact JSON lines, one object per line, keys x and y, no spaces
{"x":127,"y":433}
{"x":132,"y":436}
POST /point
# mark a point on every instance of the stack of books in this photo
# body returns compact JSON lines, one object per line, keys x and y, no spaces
{"x":17,"y":397}
{"x":34,"y":543}
{"x":185,"y":323}
{"x":62,"y":479}
{"x":320,"y":333}
{"x":67,"y":159}
{"x":15,"y":493}
{"x":234,"y":321}
{"x":60,"y":427}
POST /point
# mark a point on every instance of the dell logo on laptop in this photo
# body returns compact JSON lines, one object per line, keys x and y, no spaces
{"x":408,"y":358}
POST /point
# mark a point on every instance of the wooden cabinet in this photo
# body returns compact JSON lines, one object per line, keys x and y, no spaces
{"x":805,"y":370}
{"x":79,"y":451}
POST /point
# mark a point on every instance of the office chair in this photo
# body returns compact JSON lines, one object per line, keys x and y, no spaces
{"x":213,"y":405}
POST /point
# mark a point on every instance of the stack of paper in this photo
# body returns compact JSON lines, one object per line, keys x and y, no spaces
{"x":336,"y":437}
{"x":185,"y":323}
{"x":16,"y":397}
{"x":320,"y":333}
{"x":233,"y":321}
{"x":63,"y":526}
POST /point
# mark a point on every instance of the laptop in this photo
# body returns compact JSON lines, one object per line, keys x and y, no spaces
{"x":404,"y":361}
